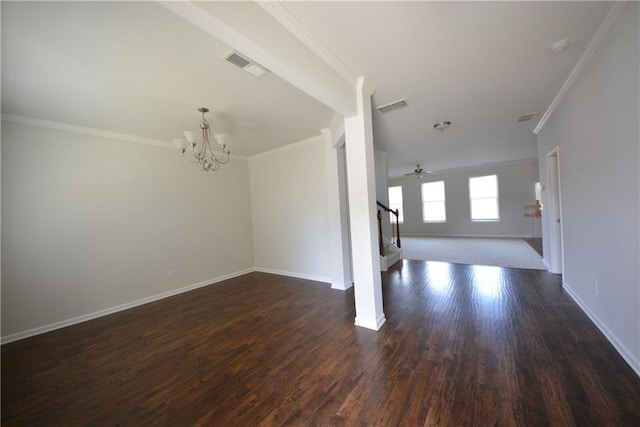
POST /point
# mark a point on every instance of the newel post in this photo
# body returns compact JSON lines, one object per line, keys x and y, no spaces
{"x":380,"y":242}
{"x":398,"y":228}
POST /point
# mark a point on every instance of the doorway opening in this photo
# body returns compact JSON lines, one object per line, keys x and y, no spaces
{"x":554,"y":212}
{"x":534,"y":213}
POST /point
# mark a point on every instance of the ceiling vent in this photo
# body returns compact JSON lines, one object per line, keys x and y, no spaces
{"x":526,"y":117}
{"x":400,"y":103}
{"x":246,"y":64}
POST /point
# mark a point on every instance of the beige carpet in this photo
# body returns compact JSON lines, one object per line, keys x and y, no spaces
{"x":515,"y":253}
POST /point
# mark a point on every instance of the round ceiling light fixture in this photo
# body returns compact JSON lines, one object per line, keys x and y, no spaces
{"x":559,"y":46}
{"x":442,"y":126}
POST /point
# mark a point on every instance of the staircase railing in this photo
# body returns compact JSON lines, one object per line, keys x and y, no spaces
{"x":394,"y":230}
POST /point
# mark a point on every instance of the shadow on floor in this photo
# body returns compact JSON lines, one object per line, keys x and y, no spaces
{"x":536,"y":244}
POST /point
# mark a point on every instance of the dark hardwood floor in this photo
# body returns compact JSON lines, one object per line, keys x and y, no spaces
{"x":462,"y":346}
{"x":536,"y":244}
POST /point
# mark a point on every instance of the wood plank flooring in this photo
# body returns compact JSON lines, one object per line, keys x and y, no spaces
{"x":536,"y":244}
{"x":462,"y":346}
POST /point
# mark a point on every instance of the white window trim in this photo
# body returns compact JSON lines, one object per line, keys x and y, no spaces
{"x":480,"y":198}
{"x":444,"y":202}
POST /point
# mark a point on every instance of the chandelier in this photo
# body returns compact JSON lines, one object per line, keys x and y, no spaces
{"x":201,"y":152}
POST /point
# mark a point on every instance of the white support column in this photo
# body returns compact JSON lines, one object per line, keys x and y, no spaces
{"x":362,"y":212}
{"x":337,"y":202}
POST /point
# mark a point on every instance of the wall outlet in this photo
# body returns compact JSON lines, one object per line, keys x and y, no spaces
{"x":171,"y":274}
{"x":595,"y":287}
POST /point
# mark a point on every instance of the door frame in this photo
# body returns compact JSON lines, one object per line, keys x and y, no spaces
{"x":554,"y":195}
{"x":536,"y":223}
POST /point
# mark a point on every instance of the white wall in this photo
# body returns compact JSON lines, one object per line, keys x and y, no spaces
{"x":382,"y":189}
{"x":290,"y":210}
{"x":514,"y":182}
{"x":90,"y":223}
{"x":596,"y":129}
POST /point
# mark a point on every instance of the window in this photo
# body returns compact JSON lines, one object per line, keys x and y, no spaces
{"x":483,"y":194}
{"x":395,"y":202}
{"x":433,"y":203}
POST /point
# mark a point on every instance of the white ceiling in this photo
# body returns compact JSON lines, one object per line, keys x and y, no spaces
{"x":478,"y":64}
{"x":137,"y":68}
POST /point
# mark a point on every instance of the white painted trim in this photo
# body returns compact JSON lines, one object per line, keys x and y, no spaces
{"x":84,"y":130}
{"x":606,"y":25}
{"x":341,"y":286}
{"x":221,"y":26}
{"x":302,"y":33}
{"x":620,"y":348}
{"x":383,"y":263}
{"x":488,"y":236}
{"x":373,"y":326}
{"x":338,"y":241}
{"x":85,"y":317}
{"x":336,"y":127}
{"x":551,"y":201}
{"x":66,"y":127}
{"x":293,"y":145}
{"x":336,"y":135}
{"x":294,"y":274}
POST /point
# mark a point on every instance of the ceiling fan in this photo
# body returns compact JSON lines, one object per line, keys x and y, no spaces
{"x":420,"y":173}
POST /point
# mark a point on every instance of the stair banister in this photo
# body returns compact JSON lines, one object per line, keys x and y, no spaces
{"x":396,"y":213}
{"x":380,"y":242}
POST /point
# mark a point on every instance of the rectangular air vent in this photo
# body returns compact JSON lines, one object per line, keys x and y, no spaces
{"x":526,"y":117}
{"x":246,"y":64}
{"x":401,"y":103}
{"x":237,"y":60}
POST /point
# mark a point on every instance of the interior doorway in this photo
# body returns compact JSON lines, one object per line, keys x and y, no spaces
{"x":536,"y":209}
{"x":553,"y":212}
{"x":534,"y":212}
{"x":344,"y":210}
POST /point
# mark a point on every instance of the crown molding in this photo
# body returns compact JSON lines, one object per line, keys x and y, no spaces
{"x":335,"y":131}
{"x":302,"y":33}
{"x":66,"y":127}
{"x":606,"y":25}
{"x":84,"y":130}
{"x":293,"y":145}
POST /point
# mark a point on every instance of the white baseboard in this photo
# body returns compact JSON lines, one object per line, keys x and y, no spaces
{"x":622,"y":350}
{"x":341,"y":286}
{"x":383,"y":263}
{"x":488,"y":236}
{"x":79,"y":319}
{"x":294,"y":274}
{"x":374,"y":325}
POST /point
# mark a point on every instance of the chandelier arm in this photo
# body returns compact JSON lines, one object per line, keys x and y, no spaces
{"x":225,"y":159}
{"x":204,"y":157}
{"x":195,"y":154}
{"x":184,"y":156}
{"x":206,"y":141}
{"x":211,"y":155}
